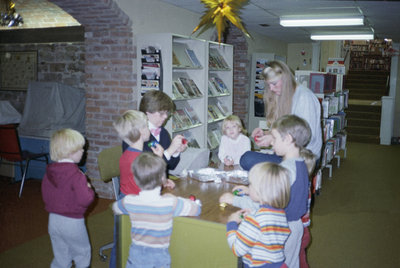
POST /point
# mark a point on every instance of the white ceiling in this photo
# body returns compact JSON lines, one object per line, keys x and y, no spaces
{"x":382,"y":16}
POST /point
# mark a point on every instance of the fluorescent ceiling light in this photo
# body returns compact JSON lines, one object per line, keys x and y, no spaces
{"x":361,"y":36}
{"x":338,"y":21}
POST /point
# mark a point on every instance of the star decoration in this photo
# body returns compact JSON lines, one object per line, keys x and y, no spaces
{"x":219,"y":13}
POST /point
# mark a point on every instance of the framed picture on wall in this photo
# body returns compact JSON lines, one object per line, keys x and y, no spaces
{"x":17,"y":69}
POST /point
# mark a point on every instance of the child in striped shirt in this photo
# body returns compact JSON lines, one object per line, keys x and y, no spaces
{"x":151,"y":213}
{"x":260,"y":237}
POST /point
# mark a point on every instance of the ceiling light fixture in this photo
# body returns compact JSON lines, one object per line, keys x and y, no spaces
{"x":319,"y":21}
{"x":360,"y":36}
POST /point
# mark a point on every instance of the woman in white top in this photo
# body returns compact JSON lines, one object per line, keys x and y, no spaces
{"x":283,"y":96}
{"x":233,"y":142}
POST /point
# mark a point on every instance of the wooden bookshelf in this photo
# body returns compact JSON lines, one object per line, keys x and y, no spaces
{"x":369,"y":55}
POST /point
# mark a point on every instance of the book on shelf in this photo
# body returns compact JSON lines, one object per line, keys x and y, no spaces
{"x":150,"y":58}
{"x":193,"y":58}
{"x":212,"y":112}
{"x":217,"y":134}
{"x":181,"y":57}
{"x":185,"y":82}
{"x":151,"y":71}
{"x":194,"y":87}
{"x":184,"y":118}
{"x":221,"y":85}
{"x":192,"y":115}
{"x":224,"y":110}
{"x":212,"y":140}
{"x":210,"y":117}
{"x":175,"y":92}
{"x":175,"y":60}
{"x":180,"y":89}
{"x":191,"y":140}
{"x":176,"y":122}
{"x":216,"y":60}
{"x":215,"y":111}
{"x":147,"y":85}
{"x":211,"y":89}
{"x":215,"y":87}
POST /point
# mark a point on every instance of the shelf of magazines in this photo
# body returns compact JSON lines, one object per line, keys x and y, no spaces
{"x":334,"y":123}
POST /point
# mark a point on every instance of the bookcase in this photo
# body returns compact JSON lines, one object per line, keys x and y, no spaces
{"x":369,"y":55}
{"x":198,"y":76}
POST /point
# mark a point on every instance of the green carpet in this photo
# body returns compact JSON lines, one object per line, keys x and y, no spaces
{"x":37,"y":253}
{"x":356,"y":219}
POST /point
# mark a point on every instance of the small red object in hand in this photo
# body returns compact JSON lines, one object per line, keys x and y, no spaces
{"x":184,"y":141}
{"x":192,"y":197}
{"x":255,"y":138}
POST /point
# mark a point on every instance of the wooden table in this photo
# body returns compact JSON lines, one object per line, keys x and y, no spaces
{"x":196,"y":241}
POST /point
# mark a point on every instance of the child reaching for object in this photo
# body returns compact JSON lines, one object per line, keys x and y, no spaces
{"x":260,"y":237}
{"x":151,"y":213}
{"x":233,"y":142}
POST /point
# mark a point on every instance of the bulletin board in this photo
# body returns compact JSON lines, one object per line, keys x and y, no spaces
{"x":17,"y":69}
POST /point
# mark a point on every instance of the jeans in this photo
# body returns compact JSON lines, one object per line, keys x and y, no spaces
{"x":147,"y":257}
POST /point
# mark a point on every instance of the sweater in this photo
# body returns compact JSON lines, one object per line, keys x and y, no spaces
{"x":152,"y":215}
{"x":65,"y":190}
{"x":260,"y":237}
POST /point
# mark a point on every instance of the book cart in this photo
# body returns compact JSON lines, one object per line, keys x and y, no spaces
{"x":334,"y":100}
{"x":198,"y":76}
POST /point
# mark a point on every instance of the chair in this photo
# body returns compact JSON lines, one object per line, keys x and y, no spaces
{"x":108,"y":163}
{"x":10,"y":149}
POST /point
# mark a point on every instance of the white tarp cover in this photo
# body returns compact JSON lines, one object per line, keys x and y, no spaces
{"x":50,"y":106}
{"x":8,"y":114}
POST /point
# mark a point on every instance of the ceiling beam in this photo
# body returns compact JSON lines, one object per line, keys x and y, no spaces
{"x":43,"y":35}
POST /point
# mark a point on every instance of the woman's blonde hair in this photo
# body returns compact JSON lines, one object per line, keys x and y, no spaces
{"x":271,"y":183}
{"x":65,"y":142}
{"x":129,"y":125}
{"x":234,"y":119}
{"x":278,"y":105}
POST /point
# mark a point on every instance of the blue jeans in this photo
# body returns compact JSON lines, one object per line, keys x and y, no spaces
{"x":147,"y":257}
{"x":250,"y":158}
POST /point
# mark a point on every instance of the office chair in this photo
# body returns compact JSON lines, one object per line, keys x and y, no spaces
{"x":108,"y":162}
{"x":10,"y":149}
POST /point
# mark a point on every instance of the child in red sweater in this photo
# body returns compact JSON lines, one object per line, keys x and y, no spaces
{"x":67,"y":195}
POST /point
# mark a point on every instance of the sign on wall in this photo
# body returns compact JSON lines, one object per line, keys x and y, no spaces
{"x":17,"y":69}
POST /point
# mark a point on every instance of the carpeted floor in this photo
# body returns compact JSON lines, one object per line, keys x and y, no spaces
{"x":355,"y":219}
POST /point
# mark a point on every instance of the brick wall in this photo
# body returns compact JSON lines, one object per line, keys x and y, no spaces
{"x":241,"y":66}
{"x":102,"y":65}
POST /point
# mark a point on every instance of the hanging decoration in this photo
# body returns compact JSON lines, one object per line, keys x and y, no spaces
{"x":11,"y":17}
{"x":219,"y":13}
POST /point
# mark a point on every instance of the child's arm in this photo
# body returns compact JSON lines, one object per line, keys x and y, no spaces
{"x":241,"y":238}
{"x":245,"y":202}
{"x":185,"y":207}
{"x":119,"y":208}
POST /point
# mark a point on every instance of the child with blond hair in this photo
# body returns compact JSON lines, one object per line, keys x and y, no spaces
{"x":260,"y":237}
{"x":234,"y":143}
{"x":67,"y":194}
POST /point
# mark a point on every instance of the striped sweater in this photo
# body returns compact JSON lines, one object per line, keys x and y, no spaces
{"x":151,"y":215}
{"x":260,"y":237}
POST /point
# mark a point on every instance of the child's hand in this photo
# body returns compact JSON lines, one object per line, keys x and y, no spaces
{"x":176,"y":145}
{"x":158,"y":150}
{"x":226,"y":198}
{"x":264,"y":140}
{"x":228,"y":161}
{"x":169,"y":184}
{"x":257,"y":132}
{"x":237,"y":216}
{"x":244,"y":190}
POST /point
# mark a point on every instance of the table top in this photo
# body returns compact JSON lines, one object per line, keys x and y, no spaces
{"x":208,"y":193}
